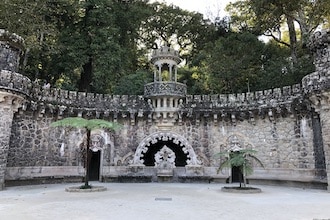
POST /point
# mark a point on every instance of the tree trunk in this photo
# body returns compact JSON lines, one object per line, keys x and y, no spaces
{"x":87,"y":158}
{"x":293,"y":39}
{"x":244,"y":176}
{"x":304,"y":28}
{"x":86,"y":76}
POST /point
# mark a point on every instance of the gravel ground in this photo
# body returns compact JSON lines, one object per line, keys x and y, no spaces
{"x":157,"y":201}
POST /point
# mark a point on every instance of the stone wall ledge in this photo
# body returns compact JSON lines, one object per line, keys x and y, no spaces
{"x":302,"y":175}
{"x":16,"y":173}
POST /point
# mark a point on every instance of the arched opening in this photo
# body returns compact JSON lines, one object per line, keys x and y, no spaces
{"x":180,"y":156}
{"x":151,"y":145}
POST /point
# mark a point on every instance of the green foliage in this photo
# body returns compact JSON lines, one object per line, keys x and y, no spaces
{"x":30,"y":20}
{"x":240,"y":62}
{"x":243,"y":159}
{"x":268,"y":17}
{"x":102,"y":45}
{"x":77,"y":122}
{"x":133,"y":84}
{"x":173,"y":26}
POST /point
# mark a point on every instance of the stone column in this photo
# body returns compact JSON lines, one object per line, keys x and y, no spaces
{"x":316,"y":87}
{"x":321,"y":103}
{"x":13,"y":88}
{"x":9,"y":104}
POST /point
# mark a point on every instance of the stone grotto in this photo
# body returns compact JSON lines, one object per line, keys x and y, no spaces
{"x":166,"y":135}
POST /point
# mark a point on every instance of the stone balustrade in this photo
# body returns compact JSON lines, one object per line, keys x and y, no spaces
{"x":165,"y":89}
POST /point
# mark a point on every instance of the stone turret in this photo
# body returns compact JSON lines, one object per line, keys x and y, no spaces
{"x":316,"y":87}
{"x":165,"y":93}
{"x":13,"y":90}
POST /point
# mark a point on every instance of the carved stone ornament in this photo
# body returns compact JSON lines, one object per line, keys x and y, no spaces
{"x":165,"y":158}
{"x":97,"y":142}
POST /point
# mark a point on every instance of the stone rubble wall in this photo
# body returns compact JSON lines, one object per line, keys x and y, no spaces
{"x":284,"y":145}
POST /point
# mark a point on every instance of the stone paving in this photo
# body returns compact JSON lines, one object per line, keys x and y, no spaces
{"x":159,"y":201}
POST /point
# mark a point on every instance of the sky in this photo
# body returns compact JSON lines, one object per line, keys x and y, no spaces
{"x":210,"y":8}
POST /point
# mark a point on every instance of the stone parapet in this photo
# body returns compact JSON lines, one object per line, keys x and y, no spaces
{"x":71,"y":102}
{"x":319,"y":44}
{"x":15,"y":82}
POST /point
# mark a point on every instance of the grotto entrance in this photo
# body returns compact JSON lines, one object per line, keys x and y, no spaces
{"x":179,"y":157}
{"x":94,"y":165}
{"x":167,"y":149}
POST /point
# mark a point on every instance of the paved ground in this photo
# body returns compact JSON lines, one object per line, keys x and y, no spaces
{"x":158,"y":201}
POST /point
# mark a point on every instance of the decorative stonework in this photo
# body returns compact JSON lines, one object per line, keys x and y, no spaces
{"x":165,"y":136}
{"x":165,"y":158}
{"x":236,"y":143}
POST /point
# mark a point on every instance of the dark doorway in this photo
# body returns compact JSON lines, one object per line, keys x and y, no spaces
{"x":236,"y":175}
{"x":94,"y":166}
{"x":180,"y":156}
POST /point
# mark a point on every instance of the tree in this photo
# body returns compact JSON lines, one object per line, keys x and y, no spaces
{"x":268,"y":16}
{"x":89,"y":125}
{"x":242,"y":159}
{"x":133,"y":84}
{"x":173,"y":26}
{"x":31,"y":20}
{"x":230,"y":61}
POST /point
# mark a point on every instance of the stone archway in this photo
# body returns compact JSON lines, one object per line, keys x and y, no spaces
{"x":159,"y":137}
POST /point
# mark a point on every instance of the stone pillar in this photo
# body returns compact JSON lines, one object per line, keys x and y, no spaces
{"x":9,"y":104}
{"x":13,"y":88}
{"x":321,"y":103}
{"x":316,"y":87}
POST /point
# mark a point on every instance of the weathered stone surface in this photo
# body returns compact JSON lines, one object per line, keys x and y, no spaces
{"x":8,"y":106}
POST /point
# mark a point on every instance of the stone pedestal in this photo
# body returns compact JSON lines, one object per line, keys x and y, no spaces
{"x":9,"y":104}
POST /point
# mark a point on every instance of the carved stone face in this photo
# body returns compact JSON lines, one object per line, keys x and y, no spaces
{"x":97,"y":142}
{"x":234,"y":143}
